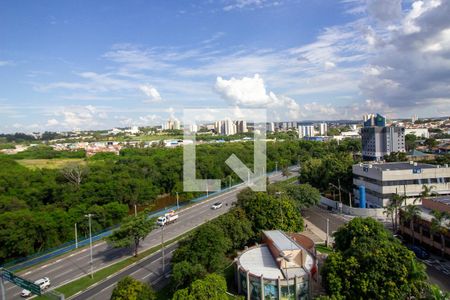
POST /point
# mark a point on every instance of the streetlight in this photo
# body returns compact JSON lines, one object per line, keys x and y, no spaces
{"x":178,"y":201}
{"x":276,"y":167}
{"x":327,"y":242}
{"x":76,"y":237}
{"x":90,"y":242}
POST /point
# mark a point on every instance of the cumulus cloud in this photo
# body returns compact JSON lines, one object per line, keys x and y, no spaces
{"x":384,"y":10}
{"x":247,"y":92}
{"x":79,"y":117}
{"x":412,"y":67}
{"x":252,"y":92}
{"x":151,"y":93}
{"x":52,"y":122}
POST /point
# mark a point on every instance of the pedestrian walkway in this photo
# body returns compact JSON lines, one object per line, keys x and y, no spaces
{"x":315,"y":233}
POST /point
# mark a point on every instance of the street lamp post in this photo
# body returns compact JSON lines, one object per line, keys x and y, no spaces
{"x":276,"y":167}
{"x":178,"y":202}
{"x":90,"y":242}
{"x":76,"y":237}
{"x":135,"y":210}
{"x":328,"y":232}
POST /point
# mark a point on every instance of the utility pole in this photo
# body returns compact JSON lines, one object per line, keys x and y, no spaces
{"x":276,"y":167}
{"x":178,"y":202}
{"x":327,"y":241}
{"x":135,"y":210}
{"x":339,"y":184}
{"x":90,"y":242}
{"x":76,"y":237}
{"x":248,"y":177}
{"x":350,"y":199}
{"x":230,"y":180}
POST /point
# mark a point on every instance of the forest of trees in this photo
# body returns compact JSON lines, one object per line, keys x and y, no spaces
{"x":44,"y":204}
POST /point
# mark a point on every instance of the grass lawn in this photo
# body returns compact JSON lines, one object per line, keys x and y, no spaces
{"x":54,"y":163}
{"x":323,"y":249}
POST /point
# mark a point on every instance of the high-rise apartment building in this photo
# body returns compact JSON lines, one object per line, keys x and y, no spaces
{"x":323,"y":128}
{"x":171,"y":125}
{"x":378,"y":139}
{"x":305,"y":130}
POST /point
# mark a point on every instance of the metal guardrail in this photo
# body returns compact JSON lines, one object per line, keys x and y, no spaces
{"x":34,"y":259}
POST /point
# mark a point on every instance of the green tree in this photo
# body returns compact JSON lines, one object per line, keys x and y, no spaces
{"x":236,"y":227}
{"x":184,"y":273}
{"x":427,"y":191}
{"x":212,"y":287}
{"x":268,"y":212}
{"x":410,"y":213}
{"x":132,"y":289}
{"x":131,"y":232}
{"x":392,"y":209}
{"x":304,"y":195}
{"x":207,"y":247}
{"x":370,"y":264}
{"x":431,"y":143}
{"x":410,"y":142}
{"x":438,"y":225}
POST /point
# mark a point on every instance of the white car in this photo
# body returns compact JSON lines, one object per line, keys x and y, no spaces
{"x":44,"y":283}
{"x":216,"y":205}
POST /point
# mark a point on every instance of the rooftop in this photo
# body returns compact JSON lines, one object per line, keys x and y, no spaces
{"x":281,"y":240}
{"x":395,"y":166}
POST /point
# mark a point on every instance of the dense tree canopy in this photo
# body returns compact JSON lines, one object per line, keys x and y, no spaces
{"x":109,"y":185}
{"x":132,"y":231}
{"x":268,"y":212}
{"x":132,"y":289}
{"x":212,"y":287}
{"x":370,"y":264}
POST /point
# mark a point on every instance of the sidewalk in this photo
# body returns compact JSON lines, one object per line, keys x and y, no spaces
{"x":315,"y":233}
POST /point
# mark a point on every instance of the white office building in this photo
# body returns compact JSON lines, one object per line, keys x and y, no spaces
{"x":418,"y":132}
{"x":382,"y":180}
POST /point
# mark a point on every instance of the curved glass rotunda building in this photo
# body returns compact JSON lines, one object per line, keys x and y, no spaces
{"x":280,"y":268}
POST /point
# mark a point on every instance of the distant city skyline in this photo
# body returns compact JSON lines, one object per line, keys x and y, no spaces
{"x":97,"y":65}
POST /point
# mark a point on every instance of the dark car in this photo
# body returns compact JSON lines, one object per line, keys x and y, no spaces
{"x":419,"y":251}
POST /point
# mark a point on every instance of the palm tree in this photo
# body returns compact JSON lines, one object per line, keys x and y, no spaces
{"x":389,"y":211}
{"x":439,"y":222}
{"x":411,"y":212}
{"x":392,"y":209}
{"x":427,"y":191}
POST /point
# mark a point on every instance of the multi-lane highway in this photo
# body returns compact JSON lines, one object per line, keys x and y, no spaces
{"x":77,"y":264}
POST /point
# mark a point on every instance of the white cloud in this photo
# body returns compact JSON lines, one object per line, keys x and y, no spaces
{"x":247,"y":92}
{"x":5,"y":63}
{"x":52,"y":122}
{"x":250,"y":4}
{"x":79,"y":117}
{"x":151,"y":92}
{"x":412,"y":67}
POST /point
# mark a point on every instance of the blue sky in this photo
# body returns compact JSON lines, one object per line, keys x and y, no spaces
{"x":98,"y":64}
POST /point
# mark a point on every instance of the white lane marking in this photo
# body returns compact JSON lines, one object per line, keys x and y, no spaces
{"x":150,"y":273}
{"x":44,"y":266}
{"x":27,"y":273}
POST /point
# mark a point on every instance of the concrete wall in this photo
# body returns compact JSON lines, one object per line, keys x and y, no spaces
{"x":376,"y":213}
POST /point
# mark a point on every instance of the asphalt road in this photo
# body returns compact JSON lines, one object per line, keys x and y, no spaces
{"x":77,"y":264}
{"x":148,"y":270}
